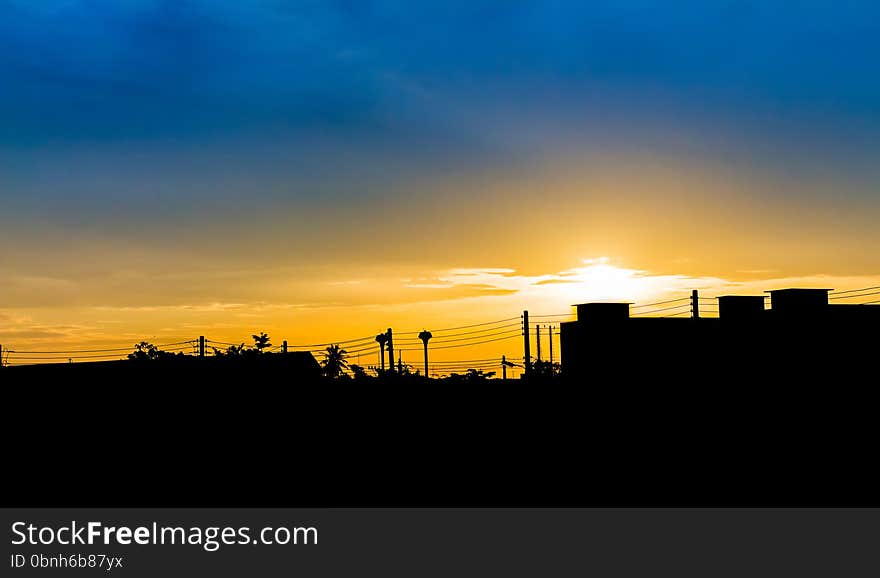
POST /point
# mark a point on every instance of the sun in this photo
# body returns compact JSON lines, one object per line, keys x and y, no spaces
{"x":599,"y":280}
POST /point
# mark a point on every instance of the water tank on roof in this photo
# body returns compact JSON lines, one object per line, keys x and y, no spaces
{"x":602,"y":312}
{"x":799,"y":301}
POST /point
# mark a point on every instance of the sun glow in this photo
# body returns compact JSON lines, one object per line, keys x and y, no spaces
{"x":601,"y":281}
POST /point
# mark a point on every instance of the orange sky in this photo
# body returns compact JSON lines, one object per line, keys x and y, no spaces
{"x":331,"y":309}
{"x":464,"y":249}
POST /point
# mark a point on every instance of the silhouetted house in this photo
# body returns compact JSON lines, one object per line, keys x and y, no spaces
{"x":801,"y":336}
{"x":799,"y":303}
{"x":741,"y":308}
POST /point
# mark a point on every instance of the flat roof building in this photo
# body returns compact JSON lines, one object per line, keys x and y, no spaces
{"x":802,"y":333}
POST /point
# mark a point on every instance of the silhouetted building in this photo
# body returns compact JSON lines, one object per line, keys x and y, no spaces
{"x":295,"y":367}
{"x":799,"y":302}
{"x":741,"y":308}
{"x":602,"y":312}
{"x":801,"y":336}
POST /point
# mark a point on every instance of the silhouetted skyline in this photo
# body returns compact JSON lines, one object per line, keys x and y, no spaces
{"x":595,"y":337}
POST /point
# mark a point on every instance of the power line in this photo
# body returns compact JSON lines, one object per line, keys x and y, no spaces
{"x":855,"y":296}
{"x":660,"y":303}
{"x":353,"y":352}
{"x":477,"y":343}
{"x":466,"y":360}
{"x":353,"y":342}
{"x":492,"y":362}
{"x":554,"y":315}
{"x":59,"y":352}
{"x":62,"y":358}
{"x":409,"y":339}
{"x":662,"y":309}
{"x":64,"y":352}
{"x":855,"y":290}
{"x":462,"y":326}
{"x":508,"y":331}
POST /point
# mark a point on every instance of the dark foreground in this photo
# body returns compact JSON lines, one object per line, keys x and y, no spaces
{"x":147,"y":435}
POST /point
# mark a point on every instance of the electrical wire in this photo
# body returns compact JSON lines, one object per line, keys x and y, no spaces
{"x":65,"y":358}
{"x":662,"y":309}
{"x":478,"y":343}
{"x":508,"y":331}
{"x":675,"y":314}
{"x":64,"y":352}
{"x":462,"y":326}
{"x":466,"y":332}
{"x":660,"y":303}
{"x":553,"y":315}
{"x":855,"y":290}
{"x":855,"y":296}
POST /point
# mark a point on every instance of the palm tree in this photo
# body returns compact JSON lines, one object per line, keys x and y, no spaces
{"x":261,"y":342}
{"x":334,"y":361}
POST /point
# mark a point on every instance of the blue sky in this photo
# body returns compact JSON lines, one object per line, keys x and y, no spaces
{"x":104,"y":71}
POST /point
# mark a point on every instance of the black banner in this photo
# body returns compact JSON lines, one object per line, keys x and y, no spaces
{"x":441,"y":542}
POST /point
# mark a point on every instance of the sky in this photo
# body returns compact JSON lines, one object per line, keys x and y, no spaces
{"x":323,"y":170}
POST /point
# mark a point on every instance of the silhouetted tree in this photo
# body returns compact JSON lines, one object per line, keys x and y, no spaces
{"x":545,"y":368}
{"x":358,"y":371}
{"x":231,"y":351}
{"x":261,"y":342}
{"x":479,"y":374}
{"x":471,"y":375}
{"x":334,"y":361}
{"x":144,"y":351}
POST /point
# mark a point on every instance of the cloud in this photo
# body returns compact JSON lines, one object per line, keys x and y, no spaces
{"x":32,"y":334}
{"x":554,"y":281}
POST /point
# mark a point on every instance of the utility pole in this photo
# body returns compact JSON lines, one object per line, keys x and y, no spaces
{"x":284,"y":346}
{"x":381,"y":339}
{"x":1,"y":355}
{"x":550,"y":329}
{"x":390,"y":341}
{"x":538,"y":340}
{"x":201,"y":345}
{"x":503,"y":368}
{"x":527,"y":354}
{"x":695,"y":304}
{"x":425,"y":335}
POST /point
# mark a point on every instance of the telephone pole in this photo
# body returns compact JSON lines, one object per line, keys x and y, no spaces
{"x":381,"y":339}
{"x":527,"y":354}
{"x":550,"y":329}
{"x":201,"y":345}
{"x":538,"y":340}
{"x":695,"y":304}
{"x":390,"y":345}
